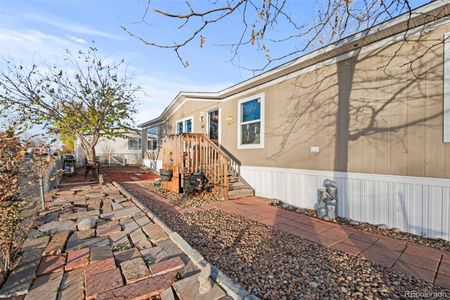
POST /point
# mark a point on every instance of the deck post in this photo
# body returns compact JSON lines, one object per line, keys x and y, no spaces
{"x":225,"y":180}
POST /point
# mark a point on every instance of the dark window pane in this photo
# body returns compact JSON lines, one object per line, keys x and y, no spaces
{"x":180,"y":127}
{"x":134,"y":144}
{"x":251,"y":110}
{"x":188,"y":126}
{"x":152,"y":144}
{"x":250,"y":133}
{"x":214,"y":125}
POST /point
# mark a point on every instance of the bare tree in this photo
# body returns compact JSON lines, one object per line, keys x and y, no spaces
{"x":267,"y":24}
{"x":88,"y":99}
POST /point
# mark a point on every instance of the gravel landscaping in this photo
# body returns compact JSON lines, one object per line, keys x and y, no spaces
{"x":276,"y":265}
{"x":383,"y":230}
{"x":194,"y":200}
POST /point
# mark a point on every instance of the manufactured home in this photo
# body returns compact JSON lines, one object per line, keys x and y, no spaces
{"x":371,"y":112}
{"x":125,"y":149}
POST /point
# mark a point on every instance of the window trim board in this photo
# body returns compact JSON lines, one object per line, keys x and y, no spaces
{"x":183,"y":121}
{"x":261,"y":97}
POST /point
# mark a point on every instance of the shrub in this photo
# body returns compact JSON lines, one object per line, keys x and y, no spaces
{"x":12,"y":169}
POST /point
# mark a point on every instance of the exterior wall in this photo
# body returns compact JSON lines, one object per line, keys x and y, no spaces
{"x":362,"y":119}
{"x":117,"y":148}
{"x":196,"y":109}
{"x":379,"y":127}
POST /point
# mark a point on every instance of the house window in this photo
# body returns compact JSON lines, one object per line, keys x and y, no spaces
{"x":134,"y":144}
{"x":179,"y":127}
{"x":185,"y":125}
{"x":152,"y":144}
{"x":188,"y":125}
{"x":251,"y":129}
{"x":153,"y":138}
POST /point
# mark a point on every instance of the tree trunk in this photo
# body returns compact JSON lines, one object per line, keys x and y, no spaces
{"x":90,"y":155}
{"x":89,"y":147}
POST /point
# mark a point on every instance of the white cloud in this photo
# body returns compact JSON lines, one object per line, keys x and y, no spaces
{"x":70,"y":26}
{"x":26,"y":46}
{"x":77,"y":40}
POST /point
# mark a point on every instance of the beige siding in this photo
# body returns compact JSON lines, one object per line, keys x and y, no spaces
{"x":364,"y":116}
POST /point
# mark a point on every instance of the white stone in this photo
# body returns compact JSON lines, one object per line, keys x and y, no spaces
{"x":382,"y":226}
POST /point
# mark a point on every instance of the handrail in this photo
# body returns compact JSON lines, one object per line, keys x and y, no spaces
{"x":201,"y":135}
{"x":194,"y":152}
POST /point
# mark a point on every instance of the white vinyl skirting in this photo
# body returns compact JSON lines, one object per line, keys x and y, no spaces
{"x":419,"y":205}
{"x":152,"y":164}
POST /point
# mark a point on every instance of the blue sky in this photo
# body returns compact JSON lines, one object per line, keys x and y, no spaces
{"x":41,"y":30}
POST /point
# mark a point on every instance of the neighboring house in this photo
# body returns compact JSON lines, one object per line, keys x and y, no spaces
{"x":371,"y":112}
{"x":126,"y":150}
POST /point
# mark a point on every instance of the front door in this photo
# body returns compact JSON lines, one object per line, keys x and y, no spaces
{"x":213,"y":125}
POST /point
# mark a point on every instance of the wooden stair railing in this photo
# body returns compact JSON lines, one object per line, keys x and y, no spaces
{"x":194,"y":152}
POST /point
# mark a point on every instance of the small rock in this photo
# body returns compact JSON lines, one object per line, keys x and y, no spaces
{"x":395,"y":229}
{"x":313,"y":285}
{"x":382,"y":226}
{"x":275,"y":202}
{"x":354,"y":223}
{"x":87,"y":223}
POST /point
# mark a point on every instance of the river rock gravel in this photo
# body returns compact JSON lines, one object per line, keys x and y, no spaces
{"x":194,"y":200}
{"x":276,"y":265}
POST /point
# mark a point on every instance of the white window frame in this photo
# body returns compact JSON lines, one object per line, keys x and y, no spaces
{"x":153,"y":141}
{"x":184,"y":124}
{"x":261,"y":97}
{"x":446,"y":116}
{"x":139,"y":140}
{"x":219,"y":123}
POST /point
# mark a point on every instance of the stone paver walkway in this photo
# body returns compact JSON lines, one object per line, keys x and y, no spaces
{"x":83,"y":247}
{"x":426,"y":263}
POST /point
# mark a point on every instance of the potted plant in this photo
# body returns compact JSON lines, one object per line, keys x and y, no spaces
{"x":166,"y":175}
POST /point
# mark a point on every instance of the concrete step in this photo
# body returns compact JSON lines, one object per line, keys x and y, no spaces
{"x":240,"y":193}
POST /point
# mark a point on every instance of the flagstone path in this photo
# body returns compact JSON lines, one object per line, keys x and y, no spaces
{"x":118,"y":254}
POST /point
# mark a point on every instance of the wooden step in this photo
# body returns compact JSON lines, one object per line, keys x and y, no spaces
{"x":233,"y":179}
{"x":240,"y":193}
{"x":238,"y":185}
